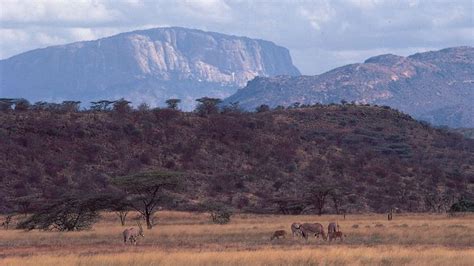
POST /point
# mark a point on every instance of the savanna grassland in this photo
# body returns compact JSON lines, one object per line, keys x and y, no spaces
{"x":180,"y":238}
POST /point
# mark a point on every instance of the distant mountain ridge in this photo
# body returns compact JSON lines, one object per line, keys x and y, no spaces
{"x":435,"y":86}
{"x":146,"y":65}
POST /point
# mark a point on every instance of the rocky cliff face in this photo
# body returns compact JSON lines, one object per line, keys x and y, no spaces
{"x":434,"y":86}
{"x":150,"y":65}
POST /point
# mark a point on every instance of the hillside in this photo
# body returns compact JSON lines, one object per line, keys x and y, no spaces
{"x":143,"y":66}
{"x":374,"y":157}
{"x":437,"y":86}
{"x":466,"y":132}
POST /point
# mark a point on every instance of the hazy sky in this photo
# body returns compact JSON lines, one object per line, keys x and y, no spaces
{"x":319,"y":34}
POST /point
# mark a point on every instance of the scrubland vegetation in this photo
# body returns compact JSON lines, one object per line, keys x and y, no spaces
{"x":191,"y":239}
{"x":304,"y":159}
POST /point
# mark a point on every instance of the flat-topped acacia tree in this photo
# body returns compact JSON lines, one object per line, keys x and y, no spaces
{"x":146,"y":190}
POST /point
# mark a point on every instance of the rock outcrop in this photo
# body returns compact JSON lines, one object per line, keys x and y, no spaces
{"x":148,"y":65}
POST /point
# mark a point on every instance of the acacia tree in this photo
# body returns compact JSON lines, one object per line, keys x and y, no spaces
{"x":71,"y":106}
{"x":122,"y":106}
{"x":68,"y":213}
{"x":319,"y":193}
{"x":102,"y":105}
{"x":173,"y":103}
{"x":207,"y":106}
{"x":146,"y":190}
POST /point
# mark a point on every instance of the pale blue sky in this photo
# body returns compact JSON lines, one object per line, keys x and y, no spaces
{"x":319,"y":34}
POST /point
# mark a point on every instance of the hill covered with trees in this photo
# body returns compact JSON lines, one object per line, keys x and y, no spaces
{"x":321,"y":158}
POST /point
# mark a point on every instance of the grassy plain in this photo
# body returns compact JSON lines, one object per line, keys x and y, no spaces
{"x":190,"y":239}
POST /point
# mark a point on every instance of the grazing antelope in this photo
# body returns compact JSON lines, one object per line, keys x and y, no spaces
{"x":296,"y":229}
{"x":337,"y":234}
{"x":278,"y":233}
{"x":314,"y":229}
{"x":333,"y":227}
{"x":131,"y":234}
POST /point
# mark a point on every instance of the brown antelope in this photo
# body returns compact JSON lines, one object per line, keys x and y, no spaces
{"x":333,"y":227}
{"x":296,"y":229}
{"x":278,"y":233}
{"x":337,"y":234}
{"x":131,"y":234}
{"x":314,"y":229}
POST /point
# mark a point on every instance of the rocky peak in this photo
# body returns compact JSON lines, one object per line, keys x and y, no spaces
{"x":385,"y":59}
{"x":146,"y":65}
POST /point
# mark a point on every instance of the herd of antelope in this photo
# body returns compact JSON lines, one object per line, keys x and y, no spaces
{"x":304,"y":230}
{"x":311,"y":229}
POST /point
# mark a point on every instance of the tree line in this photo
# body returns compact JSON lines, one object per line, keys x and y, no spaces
{"x":205,"y":106}
{"x":147,"y":192}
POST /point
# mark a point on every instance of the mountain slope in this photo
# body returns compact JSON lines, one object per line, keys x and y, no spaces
{"x":148,"y":65}
{"x":426,"y":85}
{"x":377,"y":158}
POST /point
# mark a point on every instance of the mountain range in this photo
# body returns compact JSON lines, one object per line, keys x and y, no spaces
{"x":436,"y":86}
{"x":143,"y":66}
{"x":157,"y":64}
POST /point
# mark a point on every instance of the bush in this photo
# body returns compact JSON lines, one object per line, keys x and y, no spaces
{"x":262,"y":108}
{"x":220,"y":214}
{"x":463,"y":205}
{"x":22,"y":105}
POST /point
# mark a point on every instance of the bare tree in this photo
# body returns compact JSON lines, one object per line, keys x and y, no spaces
{"x":8,"y":220}
{"x":337,"y":198}
{"x":439,"y":201}
{"x":122,"y":214}
{"x":121,"y":207}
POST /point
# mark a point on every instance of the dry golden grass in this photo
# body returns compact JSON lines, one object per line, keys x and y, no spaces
{"x":187,"y":238}
{"x":385,"y":255}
